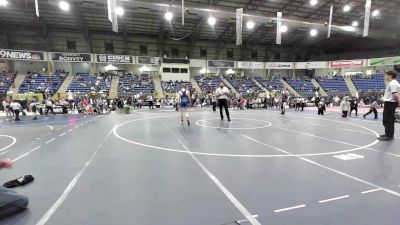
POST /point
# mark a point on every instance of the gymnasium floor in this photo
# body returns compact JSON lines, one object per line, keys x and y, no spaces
{"x":147,"y":169}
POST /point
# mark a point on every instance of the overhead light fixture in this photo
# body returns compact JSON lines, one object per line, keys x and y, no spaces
{"x":250,"y":25}
{"x":346,"y":8}
{"x":313,"y":32}
{"x":284,"y":29}
{"x":64,"y":6}
{"x":376,"y":13}
{"x":348,"y":28}
{"x":354,"y":24}
{"x":313,"y":2}
{"x":3,"y":2}
{"x":120,"y":11}
{"x":211,"y":21}
{"x":168,"y":16}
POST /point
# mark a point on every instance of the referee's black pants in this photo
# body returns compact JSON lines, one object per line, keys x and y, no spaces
{"x":388,"y":118}
{"x":223,"y":103}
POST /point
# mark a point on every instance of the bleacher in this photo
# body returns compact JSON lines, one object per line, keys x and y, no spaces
{"x":37,"y":83}
{"x":303,"y":86}
{"x":375,"y":83}
{"x":243,"y":85}
{"x":133,"y":84}
{"x":334,"y":86}
{"x":270,"y":85}
{"x":175,"y":86}
{"x":6,"y":80}
{"x":85,"y":83}
{"x":208,"y":84}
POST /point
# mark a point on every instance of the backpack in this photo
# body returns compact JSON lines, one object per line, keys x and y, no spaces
{"x":184,"y":97}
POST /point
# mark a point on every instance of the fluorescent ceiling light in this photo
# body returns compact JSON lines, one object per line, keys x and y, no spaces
{"x":64,"y":6}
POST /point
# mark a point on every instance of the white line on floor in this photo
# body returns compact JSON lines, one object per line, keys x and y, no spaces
{"x":327,"y":168}
{"x":252,"y":220}
{"x":77,"y":126}
{"x":370,"y":191}
{"x":4,"y":153}
{"x":20,"y":157}
{"x":50,"y":140}
{"x":12,"y":143}
{"x":334,"y":199}
{"x":61,"y":135}
{"x":69,"y":130}
{"x":246,"y":220}
{"x":290,"y":208}
{"x":35,"y":148}
{"x":45,"y":218}
{"x":51,"y":128}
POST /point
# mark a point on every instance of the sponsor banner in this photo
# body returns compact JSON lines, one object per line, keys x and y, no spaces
{"x":279,"y":65}
{"x":250,"y":65}
{"x":348,"y":63}
{"x":311,"y":65}
{"x":70,"y":57}
{"x":146,"y":60}
{"x":220,"y":64}
{"x":388,"y":61}
{"x":22,"y":55}
{"x":117,"y":59}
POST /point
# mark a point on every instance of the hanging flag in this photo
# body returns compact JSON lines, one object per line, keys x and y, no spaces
{"x":113,"y":15}
{"x":367,"y":16}
{"x":239,"y":26}
{"x":278,"y":28}
{"x":183,"y":12}
{"x":109,"y":16}
{"x":37,"y":7}
{"x":330,"y":22}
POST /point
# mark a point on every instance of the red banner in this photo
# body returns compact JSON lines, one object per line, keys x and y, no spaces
{"x":348,"y":63}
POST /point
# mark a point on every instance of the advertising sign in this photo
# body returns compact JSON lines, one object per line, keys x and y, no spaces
{"x":279,"y":65}
{"x":70,"y":57}
{"x":348,"y":63}
{"x":22,"y":55}
{"x":388,"y":61}
{"x":221,"y":64}
{"x":118,"y":59}
{"x":250,"y":65}
{"x":311,"y":65}
{"x":146,"y":60}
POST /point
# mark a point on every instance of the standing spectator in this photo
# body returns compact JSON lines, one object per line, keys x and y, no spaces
{"x":214,"y":101}
{"x":392,"y":100}
{"x":222,"y":95}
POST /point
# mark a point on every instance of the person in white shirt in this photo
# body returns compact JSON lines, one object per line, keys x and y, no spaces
{"x":49,"y":107}
{"x":373,"y":108}
{"x":7,"y":109}
{"x":391,"y":100}
{"x":345,"y":106}
{"x":184,"y":102}
{"x":222,"y":94}
{"x":33,"y":106}
{"x":16,"y":107}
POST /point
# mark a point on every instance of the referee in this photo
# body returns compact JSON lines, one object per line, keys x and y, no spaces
{"x":391,"y":100}
{"x":222,"y":95}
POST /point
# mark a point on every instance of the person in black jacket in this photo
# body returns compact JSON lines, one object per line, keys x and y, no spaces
{"x":354,"y":106}
{"x":10,"y":201}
